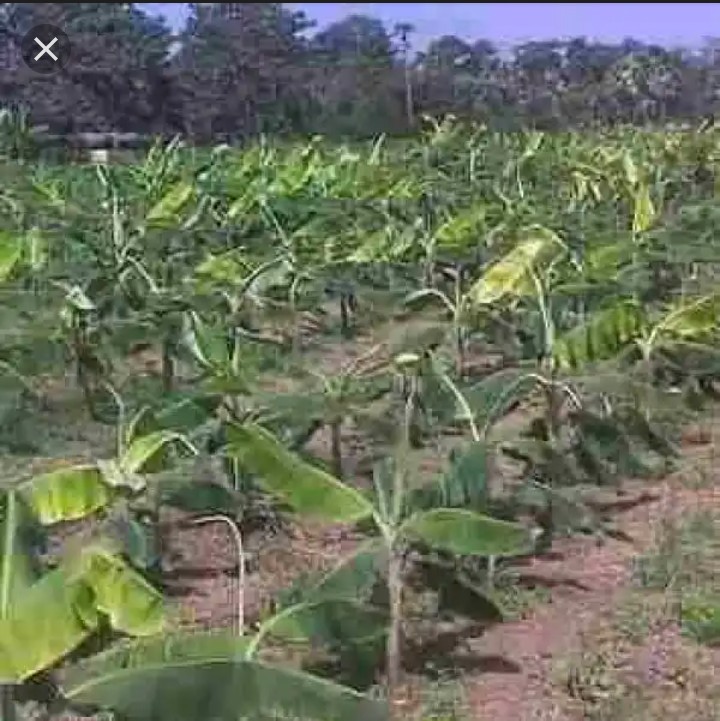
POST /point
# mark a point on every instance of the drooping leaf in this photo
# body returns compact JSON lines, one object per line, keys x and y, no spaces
{"x":307,"y":489}
{"x":688,"y":320}
{"x":66,"y":494}
{"x":457,"y":594}
{"x":186,"y":414}
{"x":137,"y":540}
{"x":511,"y":275}
{"x":601,"y":337}
{"x":199,"y":496}
{"x":186,"y":677}
{"x":467,"y":533}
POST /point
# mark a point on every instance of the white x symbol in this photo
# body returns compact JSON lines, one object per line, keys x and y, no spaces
{"x":46,"y":49}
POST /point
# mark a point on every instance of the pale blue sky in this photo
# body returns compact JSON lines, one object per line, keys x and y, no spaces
{"x":681,"y":24}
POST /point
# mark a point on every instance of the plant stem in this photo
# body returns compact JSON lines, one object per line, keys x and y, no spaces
{"x":7,"y":704}
{"x":237,"y":537}
{"x":336,"y":447}
{"x":393,"y":653}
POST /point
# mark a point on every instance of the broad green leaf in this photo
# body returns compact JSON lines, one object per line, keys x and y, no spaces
{"x":66,"y":494}
{"x":168,"y":207}
{"x":187,"y":677}
{"x":602,"y":263}
{"x":457,"y":594}
{"x":465,"y":483}
{"x":53,"y":617}
{"x":227,"y":268}
{"x":462,"y":231}
{"x":199,"y":496}
{"x":137,"y":540}
{"x":511,"y":275}
{"x":467,"y":533}
{"x":187,"y":414}
{"x":308,"y":490}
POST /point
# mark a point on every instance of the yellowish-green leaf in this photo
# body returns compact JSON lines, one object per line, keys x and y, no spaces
{"x":512,"y":274}
{"x":308,"y":490}
{"x":66,"y":494}
{"x":644,"y":210}
{"x":168,"y":207}
{"x":690,"y":319}
{"x":123,"y":595}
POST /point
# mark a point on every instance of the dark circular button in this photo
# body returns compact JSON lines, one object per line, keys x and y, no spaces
{"x":45,"y":49}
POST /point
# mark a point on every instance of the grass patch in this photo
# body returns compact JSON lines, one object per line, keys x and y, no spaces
{"x":649,"y":659}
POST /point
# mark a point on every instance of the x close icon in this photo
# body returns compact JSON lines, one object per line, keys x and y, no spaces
{"x":45,"y":49}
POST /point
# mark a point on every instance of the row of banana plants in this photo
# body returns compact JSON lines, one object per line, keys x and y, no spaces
{"x":585,"y":262}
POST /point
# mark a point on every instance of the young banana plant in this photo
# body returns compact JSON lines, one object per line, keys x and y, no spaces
{"x":334,"y":399}
{"x":398,"y":523}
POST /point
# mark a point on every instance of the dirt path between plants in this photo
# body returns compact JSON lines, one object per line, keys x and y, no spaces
{"x":587,"y":580}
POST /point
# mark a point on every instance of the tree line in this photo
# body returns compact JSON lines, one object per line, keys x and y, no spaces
{"x":239,"y":69}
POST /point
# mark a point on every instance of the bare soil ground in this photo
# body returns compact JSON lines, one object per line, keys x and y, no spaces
{"x":568,"y":659}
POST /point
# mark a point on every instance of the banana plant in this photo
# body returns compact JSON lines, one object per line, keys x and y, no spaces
{"x":44,"y":620}
{"x":689,"y":323}
{"x":334,"y":399}
{"x":398,"y":523}
{"x":530,"y":271}
{"x":459,"y":306}
{"x":47,"y":613}
{"x":84,"y":335}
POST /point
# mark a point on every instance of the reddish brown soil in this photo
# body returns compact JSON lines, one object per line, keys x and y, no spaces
{"x":510,"y":671}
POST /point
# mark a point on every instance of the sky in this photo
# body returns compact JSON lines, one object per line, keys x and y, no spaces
{"x":671,"y":24}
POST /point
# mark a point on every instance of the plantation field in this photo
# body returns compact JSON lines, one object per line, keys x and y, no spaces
{"x":407,"y":430}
